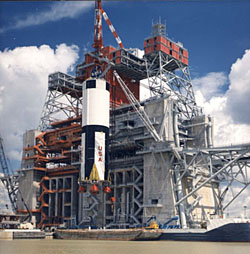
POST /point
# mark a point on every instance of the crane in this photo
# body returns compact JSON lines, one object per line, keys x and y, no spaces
{"x":98,"y":45}
{"x":138,"y":109}
{"x":98,"y":37}
{"x":7,"y":179}
{"x":10,"y":180}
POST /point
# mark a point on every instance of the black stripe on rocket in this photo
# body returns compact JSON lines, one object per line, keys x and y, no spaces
{"x":92,"y":84}
{"x":89,"y":131}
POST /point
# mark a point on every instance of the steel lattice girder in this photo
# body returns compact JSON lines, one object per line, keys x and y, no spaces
{"x":63,"y":100}
{"x":176,"y":82}
{"x":229,"y":165}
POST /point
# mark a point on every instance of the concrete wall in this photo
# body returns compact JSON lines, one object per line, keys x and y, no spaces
{"x":158,"y":196}
{"x":6,"y":235}
{"x":207,"y":203}
{"x":29,"y":190}
{"x":161,"y":112}
{"x":158,"y":193}
{"x":201,"y":129}
{"x":29,"y":140}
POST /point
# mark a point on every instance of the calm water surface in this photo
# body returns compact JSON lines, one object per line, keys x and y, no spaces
{"x":118,"y":247}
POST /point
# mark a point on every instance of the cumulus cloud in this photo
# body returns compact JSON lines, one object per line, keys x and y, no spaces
{"x":231,"y":112}
{"x":56,"y":11}
{"x":211,"y":85}
{"x":231,"y":109}
{"x":238,"y":103}
{"x":23,"y":85}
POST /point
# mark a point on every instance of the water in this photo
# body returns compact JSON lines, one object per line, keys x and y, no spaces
{"x":119,"y":247}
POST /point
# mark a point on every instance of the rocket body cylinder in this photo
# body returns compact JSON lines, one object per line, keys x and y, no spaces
{"x":95,"y":129}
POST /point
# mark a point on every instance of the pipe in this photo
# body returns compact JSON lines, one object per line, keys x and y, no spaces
{"x":209,"y":133}
{"x":182,"y":214}
{"x":127,"y":207}
{"x":176,"y":130}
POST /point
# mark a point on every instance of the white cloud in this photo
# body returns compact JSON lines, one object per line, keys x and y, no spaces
{"x":231,"y":112}
{"x":56,"y":11}
{"x":211,"y":84}
{"x":23,"y":85}
{"x":238,"y":103}
{"x":231,"y":109}
{"x":1,"y":94}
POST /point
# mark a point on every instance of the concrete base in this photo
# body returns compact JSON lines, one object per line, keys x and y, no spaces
{"x":6,"y":235}
{"x":10,"y":234}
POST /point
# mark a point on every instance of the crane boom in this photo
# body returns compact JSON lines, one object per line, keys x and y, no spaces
{"x":7,"y":179}
{"x":138,"y":108}
{"x":3,"y":161}
{"x":111,"y":27}
{"x":10,"y":181}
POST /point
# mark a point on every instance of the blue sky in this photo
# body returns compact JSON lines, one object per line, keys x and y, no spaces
{"x":216,"y":33}
{"x":38,"y":38}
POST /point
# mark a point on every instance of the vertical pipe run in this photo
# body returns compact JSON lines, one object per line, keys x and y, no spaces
{"x":209,"y":132}
{"x":127,"y":207}
{"x":176,"y":130}
{"x":182,"y":214}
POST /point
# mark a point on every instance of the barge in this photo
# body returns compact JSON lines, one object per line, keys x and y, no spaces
{"x":108,"y":234}
{"x":218,"y":230}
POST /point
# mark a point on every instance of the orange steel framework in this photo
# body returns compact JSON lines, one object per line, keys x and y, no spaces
{"x":54,"y":147}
